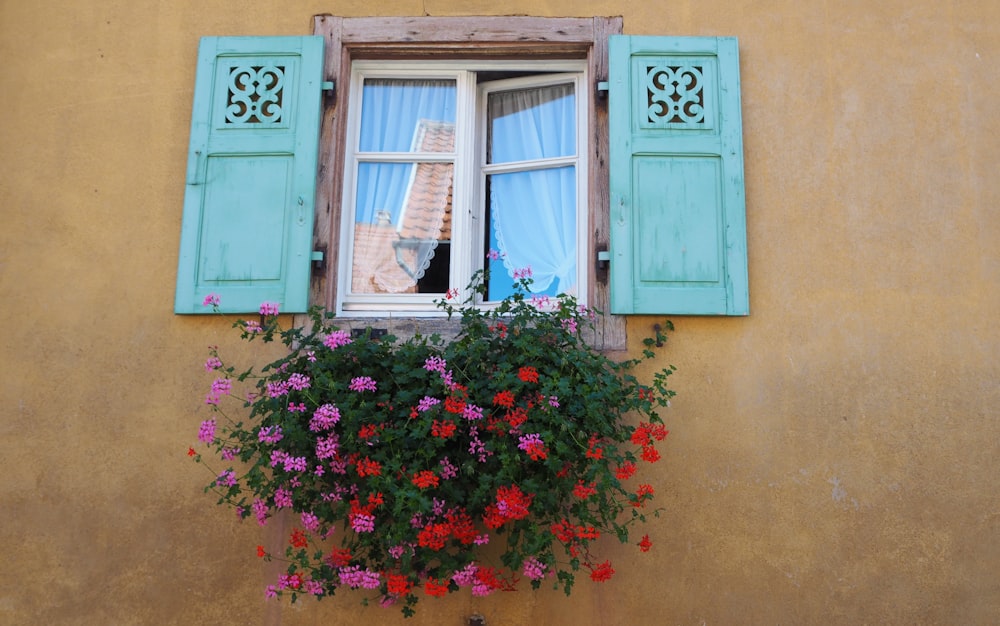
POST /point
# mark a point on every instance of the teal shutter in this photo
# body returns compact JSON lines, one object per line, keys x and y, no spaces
{"x":251,"y":177}
{"x":678,"y":215}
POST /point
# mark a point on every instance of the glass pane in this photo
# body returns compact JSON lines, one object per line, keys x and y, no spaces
{"x":402,"y":229}
{"x":532,"y":224}
{"x":408,"y":115}
{"x":535,"y":123}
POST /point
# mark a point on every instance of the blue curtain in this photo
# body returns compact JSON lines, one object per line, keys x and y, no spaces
{"x":390,"y":120}
{"x":396,"y":117}
{"x":533,"y":213}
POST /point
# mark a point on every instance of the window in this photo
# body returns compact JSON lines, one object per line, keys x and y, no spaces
{"x":395,"y":186}
{"x":456,"y":166}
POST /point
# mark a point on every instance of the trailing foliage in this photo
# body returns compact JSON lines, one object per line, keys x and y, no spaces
{"x":401,"y":460}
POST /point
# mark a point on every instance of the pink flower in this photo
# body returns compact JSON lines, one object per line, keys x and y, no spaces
{"x":206,"y":432}
{"x":268,"y":308}
{"x":337,"y":338}
{"x":252,"y":327}
{"x":269,"y":434}
{"x":226,"y":479}
{"x":270,"y":592}
{"x":298,"y":381}
{"x":533,"y":568}
{"x":310,"y":522}
{"x":426,"y":403}
{"x":435,"y":364}
{"x":260,"y":508}
{"x":494,"y":255}
{"x":326,"y":447}
{"x":324,"y":418}
{"x":283,"y":498}
{"x":211,"y":299}
{"x":363,"y":383}
{"x":213,"y":363}
{"x":522,"y":273}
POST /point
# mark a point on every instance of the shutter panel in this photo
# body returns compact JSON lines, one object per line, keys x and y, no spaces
{"x":251,"y":175}
{"x":678,"y":215}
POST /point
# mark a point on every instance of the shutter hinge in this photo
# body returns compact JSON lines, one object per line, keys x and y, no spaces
{"x":602,"y":88}
{"x":329,"y":89}
{"x":603,"y":259}
{"x":318,"y":260}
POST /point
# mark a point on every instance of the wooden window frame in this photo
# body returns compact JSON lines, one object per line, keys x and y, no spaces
{"x":348,"y":39}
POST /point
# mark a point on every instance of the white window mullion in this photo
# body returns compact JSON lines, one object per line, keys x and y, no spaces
{"x":465,"y":216}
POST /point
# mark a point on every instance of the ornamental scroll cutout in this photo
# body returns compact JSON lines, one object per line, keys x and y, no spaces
{"x":255,"y":95}
{"x":675,"y":95}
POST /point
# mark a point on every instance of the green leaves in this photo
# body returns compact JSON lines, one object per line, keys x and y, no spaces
{"x":417,"y":452}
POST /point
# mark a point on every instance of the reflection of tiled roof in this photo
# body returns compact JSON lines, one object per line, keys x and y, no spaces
{"x":426,"y":216}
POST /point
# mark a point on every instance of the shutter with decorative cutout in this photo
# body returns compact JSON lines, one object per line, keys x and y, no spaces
{"x":678,"y":216}
{"x":251,"y":177}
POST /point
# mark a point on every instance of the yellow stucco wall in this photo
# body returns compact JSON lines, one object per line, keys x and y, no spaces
{"x":834,"y":458}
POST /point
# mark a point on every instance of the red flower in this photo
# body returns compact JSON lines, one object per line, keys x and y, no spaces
{"x":261,"y":552}
{"x":191,"y":452}
{"x":594,"y":452}
{"x":602,"y":572}
{"x":425,"y":479}
{"x":504,"y":399}
{"x":563,"y":531}
{"x":368,"y":467}
{"x":583,"y":491}
{"x":625,"y":470}
{"x":298,"y":539}
{"x":517,"y":416}
{"x":454,"y":405}
{"x":537,"y":451}
{"x":650,"y":454}
{"x":462,"y":527}
{"x":340,"y":557}
{"x":369,"y":430}
{"x":528,"y":374}
{"x":434,"y":536}
{"x":511,"y":504}
{"x":398,"y":584}
{"x":435,"y":588}
{"x":645,"y":544}
{"x":443,"y":429}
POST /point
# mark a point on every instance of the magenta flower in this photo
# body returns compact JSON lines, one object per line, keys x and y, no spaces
{"x":283,"y":498}
{"x":426,"y":403}
{"x":213,"y":363}
{"x":211,"y":299}
{"x":206,"y":432}
{"x":534,"y":569}
{"x":326,"y":447}
{"x":337,"y":338}
{"x":435,"y":364}
{"x":252,"y":327}
{"x":363,"y":383}
{"x":310,"y":522}
{"x":522,"y":273}
{"x":269,"y":434}
{"x":324,"y":418}
{"x":298,"y":381}
{"x":268,"y":308}
{"x":260,"y":509}
{"x":226,"y":479}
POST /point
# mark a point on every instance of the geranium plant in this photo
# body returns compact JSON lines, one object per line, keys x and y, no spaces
{"x":401,"y":460}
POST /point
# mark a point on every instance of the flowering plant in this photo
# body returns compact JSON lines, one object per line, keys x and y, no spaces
{"x":399,"y":460}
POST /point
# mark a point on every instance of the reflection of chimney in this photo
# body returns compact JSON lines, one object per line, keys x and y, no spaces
{"x":382,"y":218}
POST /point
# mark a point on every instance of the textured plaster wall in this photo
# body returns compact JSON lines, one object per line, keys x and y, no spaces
{"x":834,"y":458}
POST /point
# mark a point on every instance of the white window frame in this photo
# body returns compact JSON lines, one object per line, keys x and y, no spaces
{"x":470,"y":170}
{"x":480,"y":38}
